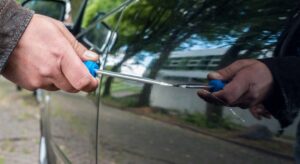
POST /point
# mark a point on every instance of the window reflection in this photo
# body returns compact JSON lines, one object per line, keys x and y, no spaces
{"x":181,"y":41}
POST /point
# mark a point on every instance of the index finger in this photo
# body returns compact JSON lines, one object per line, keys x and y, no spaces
{"x":76,"y":72}
{"x":80,"y":50}
{"x":228,"y":72}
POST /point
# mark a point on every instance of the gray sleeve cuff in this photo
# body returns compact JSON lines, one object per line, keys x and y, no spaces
{"x":13,"y":22}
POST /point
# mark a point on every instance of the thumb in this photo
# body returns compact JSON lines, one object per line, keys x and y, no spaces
{"x":228,"y":72}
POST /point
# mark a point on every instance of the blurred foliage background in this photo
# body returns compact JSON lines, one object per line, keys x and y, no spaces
{"x":97,"y":6}
{"x":94,"y":7}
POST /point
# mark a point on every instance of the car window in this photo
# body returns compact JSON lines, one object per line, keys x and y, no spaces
{"x":99,"y":7}
{"x":100,"y":27}
{"x":53,"y":9}
{"x":180,"y":42}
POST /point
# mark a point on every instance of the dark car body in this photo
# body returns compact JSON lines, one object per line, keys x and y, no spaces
{"x":175,"y":41}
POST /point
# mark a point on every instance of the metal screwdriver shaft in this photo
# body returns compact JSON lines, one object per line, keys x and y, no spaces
{"x":213,"y":85}
{"x":131,"y":77}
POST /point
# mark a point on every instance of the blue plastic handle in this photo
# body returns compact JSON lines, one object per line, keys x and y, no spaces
{"x":216,"y":85}
{"x":92,"y":67}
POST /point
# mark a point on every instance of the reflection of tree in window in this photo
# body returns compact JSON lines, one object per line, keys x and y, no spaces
{"x":161,"y":27}
{"x":96,"y":6}
{"x":49,"y":8}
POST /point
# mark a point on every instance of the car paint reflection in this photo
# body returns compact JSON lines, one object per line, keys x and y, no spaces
{"x":73,"y":126}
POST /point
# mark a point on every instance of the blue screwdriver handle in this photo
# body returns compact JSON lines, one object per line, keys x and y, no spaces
{"x":92,"y":67}
{"x":216,"y":85}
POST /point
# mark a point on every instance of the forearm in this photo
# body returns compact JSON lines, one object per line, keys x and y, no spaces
{"x":284,"y":101}
{"x":13,"y":22}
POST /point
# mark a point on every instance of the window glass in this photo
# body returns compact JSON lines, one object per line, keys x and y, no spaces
{"x":180,"y":41}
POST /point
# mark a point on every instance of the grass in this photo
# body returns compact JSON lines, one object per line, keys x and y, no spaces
{"x":200,"y":120}
{"x":119,"y":85}
{"x":124,"y":102}
{"x":25,"y":151}
{"x":73,"y":121}
{"x":7,"y":145}
{"x":123,"y":86}
{"x":25,"y":116}
{"x":1,"y":160}
{"x":195,"y":119}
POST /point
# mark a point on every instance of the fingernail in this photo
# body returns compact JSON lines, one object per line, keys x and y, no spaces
{"x":215,"y":75}
{"x":90,"y":54}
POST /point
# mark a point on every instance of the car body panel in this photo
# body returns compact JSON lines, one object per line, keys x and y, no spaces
{"x":173,"y":41}
{"x":180,"y":42}
{"x":73,"y":126}
{"x":70,"y":120}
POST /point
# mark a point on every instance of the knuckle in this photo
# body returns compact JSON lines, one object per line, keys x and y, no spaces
{"x":94,"y":87}
{"x":35,"y":84}
{"x":238,"y":62}
{"x":254,"y":96}
{"x":75,"y":44}
{"x":241,"y":62}
{"x":228,"y":70}
{"x":59,"y":24}
{"x":252,"y":103}
{"x":65,"y":86}
{"x":254,"y":93}
{"x":45,"y":71}
{"x":245,"y":61}
{"x":229,"y":98}
{"x":82,"y":83}
{"x":59,"y":51}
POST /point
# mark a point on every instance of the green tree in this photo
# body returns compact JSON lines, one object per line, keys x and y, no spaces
{"x":96,"y":6}
{"x":162,"y":26}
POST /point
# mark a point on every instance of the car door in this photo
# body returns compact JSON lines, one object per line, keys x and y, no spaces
{"x":69,"y":120}
{"x":179,"y":42}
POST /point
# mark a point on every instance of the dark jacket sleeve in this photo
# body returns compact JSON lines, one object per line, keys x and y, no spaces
{"x":284,"y":101}
{"x":13,"y":22}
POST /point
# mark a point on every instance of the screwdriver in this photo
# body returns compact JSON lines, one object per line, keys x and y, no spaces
{"x":213,"y":85}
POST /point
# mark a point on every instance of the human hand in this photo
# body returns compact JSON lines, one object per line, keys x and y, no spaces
{"x":49,"y":57}
{"x":250,"y":82}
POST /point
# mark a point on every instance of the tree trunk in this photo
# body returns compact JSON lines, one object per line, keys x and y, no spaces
{"x":107,"y":86}
{"x":109,"y":81}
{"x":214,"y":115}
{"x":173,"y":42}
{"x":144,"y":97}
